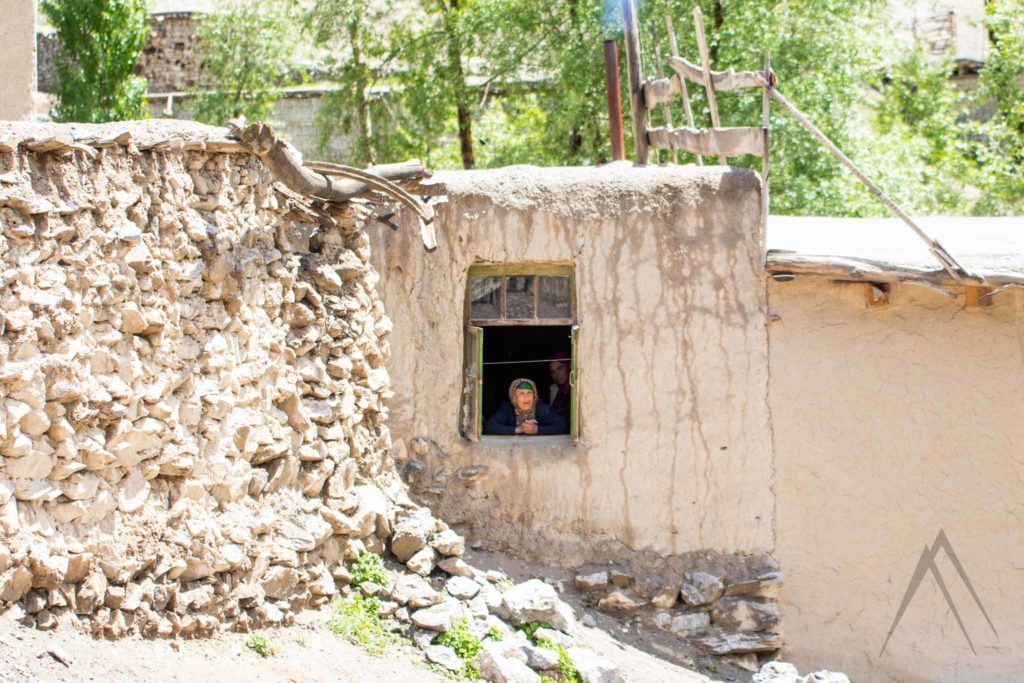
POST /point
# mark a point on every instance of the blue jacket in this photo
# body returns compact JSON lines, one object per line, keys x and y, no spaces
{"x":504,"y":420}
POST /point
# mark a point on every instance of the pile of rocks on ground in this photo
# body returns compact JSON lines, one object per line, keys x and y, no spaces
{"x":783,"y":672}
{"x":439,"y":591}
{"x":725,"y":615}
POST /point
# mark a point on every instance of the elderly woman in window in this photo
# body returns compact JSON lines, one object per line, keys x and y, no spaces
{"x":524,"y":414}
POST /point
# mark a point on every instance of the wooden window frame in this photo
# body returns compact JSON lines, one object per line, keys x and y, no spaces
{"x":471,"y":413}
{"x":507,"y":270}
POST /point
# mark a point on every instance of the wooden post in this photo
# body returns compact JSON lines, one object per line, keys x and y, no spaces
{"x":705,"y":61}
{"x":684,"y":93}
{"x":611,"y":84}
{"x":636,"y":95}
{"x":666,"y":108}
{"x":765,"y":162}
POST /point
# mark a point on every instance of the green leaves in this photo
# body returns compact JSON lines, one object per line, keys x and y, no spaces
{"x":999,"y":147}
{"x":247,"y":49}
{"x":100,"y":44}
{"x":368,"y":568}
{"x":356,"y":619}
{"x":261,"y":646}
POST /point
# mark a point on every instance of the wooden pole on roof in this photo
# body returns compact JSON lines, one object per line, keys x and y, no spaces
{"x":949,"y":264}
{"x":666,"y":108}
{"x":765,"y":165}
{"x":705,"y":61}
{"x":673,"y":48}
{"x":633,"y":70}
{"x":611,"y":85}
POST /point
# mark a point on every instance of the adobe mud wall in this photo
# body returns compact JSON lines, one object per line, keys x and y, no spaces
{"x":675,"y":448}
{"x":191,"y":419}
{"x":891,"y":424}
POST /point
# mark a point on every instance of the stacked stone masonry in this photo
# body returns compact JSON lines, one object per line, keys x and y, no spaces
{"x":726,"y":605}
{"x":192,"y":425}
{"x":170,"y":60}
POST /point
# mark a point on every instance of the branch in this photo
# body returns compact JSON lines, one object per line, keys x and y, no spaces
{"x":317,"y":181}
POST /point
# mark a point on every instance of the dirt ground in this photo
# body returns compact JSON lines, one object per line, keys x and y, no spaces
{"x":307,"y":652}
{"x":310,"y":652}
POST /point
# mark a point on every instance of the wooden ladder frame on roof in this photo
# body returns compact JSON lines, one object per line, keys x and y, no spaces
{"x":726,"y":142}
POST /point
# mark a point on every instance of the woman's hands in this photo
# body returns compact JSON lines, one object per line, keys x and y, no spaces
{"x":528,"y":427}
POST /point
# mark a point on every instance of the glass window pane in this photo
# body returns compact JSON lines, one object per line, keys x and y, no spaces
{"x":554,"y":298}
{"x":519,"y":293}
{"x":485,"y":298}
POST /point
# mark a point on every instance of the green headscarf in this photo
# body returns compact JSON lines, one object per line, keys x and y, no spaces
{"x":523,"y":415}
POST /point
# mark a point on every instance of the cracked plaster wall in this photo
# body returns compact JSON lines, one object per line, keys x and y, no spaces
{"x":675,"y":448}
{"x":890,"y":424}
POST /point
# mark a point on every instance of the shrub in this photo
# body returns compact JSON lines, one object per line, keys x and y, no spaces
{"x":465,"y":644}
{"x":368,"y":568}
{"x":566,"y":668}
{"x":357,"y":620}
{"x":261,"y":646}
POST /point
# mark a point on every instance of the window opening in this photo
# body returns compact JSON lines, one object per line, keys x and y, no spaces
{"x":534,"y":353}
{"x":521,"y":327}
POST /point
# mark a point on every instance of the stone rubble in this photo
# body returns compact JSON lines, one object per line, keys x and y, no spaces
{"x":729,"y":614}
{"x":784,"y":672}
{"x":454,"y":593}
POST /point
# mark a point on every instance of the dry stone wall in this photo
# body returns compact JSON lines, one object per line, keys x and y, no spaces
{"x":191,"y":382}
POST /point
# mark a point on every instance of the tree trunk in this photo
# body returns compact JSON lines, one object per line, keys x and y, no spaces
{"x":462,"y":94}
{"x":466,"y":138}
{"x":718,"y":18}
{"x":575,"y":143}
{"x":363,"y":122}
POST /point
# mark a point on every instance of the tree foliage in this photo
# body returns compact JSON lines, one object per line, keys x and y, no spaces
{"x":247,"y":49}
{"x":358,"y":56}
{"x":822,"y":52}
{"x":496,"y":82}
{"x":100,"y":43}
{"x":1001,"y":86}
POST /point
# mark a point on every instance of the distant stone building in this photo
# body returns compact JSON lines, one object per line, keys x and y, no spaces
{"x":170,"y":60}
{"x":947,"y":27}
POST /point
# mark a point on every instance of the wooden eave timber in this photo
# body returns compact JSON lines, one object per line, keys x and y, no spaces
{"x":866,"y":270}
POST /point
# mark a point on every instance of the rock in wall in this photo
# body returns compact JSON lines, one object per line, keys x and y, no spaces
{"x":191,"y":421}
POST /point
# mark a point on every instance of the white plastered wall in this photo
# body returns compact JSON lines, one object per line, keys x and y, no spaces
{"x":891,"y":424}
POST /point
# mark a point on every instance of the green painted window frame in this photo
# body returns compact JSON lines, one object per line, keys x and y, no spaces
{"x":471,"y":422}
